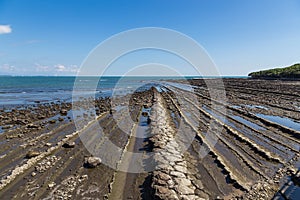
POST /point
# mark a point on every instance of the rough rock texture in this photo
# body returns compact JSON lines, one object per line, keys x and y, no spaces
{"x":92,"y":162}
{"x":171,"y":177}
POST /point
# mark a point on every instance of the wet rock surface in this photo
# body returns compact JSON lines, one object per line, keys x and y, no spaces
{"x":69,"y":144}
{"x":92,"y":162}
{"x":32,"y":154}
{"x":43,"y":157}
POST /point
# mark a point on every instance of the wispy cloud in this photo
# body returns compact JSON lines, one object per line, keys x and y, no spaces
{"x":41,"y":68}
{"x":70,"y":69}
{"x":4,"y":29}
{"x":59,"y":68}
{"x":7,"y":68}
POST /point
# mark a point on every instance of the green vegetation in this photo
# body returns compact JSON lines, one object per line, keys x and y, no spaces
{"x":287,"y":72}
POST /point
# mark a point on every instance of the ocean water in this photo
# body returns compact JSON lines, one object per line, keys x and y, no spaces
{"x":30,"y":90}
{"x":16,"y":90}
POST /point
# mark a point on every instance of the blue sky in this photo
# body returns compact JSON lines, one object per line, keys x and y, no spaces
{"x":53,"y":37}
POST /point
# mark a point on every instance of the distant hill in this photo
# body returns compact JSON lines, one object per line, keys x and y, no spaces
{"x":291,"y":72}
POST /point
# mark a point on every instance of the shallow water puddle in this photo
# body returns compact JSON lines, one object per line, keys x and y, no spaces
{"x":159,"y":89}
{"x":182,"y":86}
{"x":282,"y":121}
{"x":174,"y":119}
{"x":244,"y":121}
{"x":219,"y":117}
{"x":290,"y":190}
{"x":142,"y":131}
{"x":257,"y":106}
{"x":144,"y":119}
{"x":250,"y":106}
{"x":119,"y":108}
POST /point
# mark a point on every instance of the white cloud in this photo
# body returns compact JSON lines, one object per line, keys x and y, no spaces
{"x":7,"y":67}
{"x":74,"y":69}
{"x":41,"y":68}
{"x":60,"y":68}
{"x":4,"y":29}
{"x":69,"y":69}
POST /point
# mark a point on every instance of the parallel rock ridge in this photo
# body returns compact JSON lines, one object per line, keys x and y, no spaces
{"x":171,"y":177}
{"x":44,"y":157}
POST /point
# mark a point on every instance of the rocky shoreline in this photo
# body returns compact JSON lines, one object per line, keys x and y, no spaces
{"x":43,"y":157}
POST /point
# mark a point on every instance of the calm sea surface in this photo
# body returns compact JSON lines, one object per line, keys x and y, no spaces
{"x":28,"y":90}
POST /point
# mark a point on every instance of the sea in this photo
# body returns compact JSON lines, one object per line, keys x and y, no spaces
{"x":20,"y":90}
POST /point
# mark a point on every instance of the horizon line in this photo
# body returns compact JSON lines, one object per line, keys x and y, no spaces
{"x":121,"y":76}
